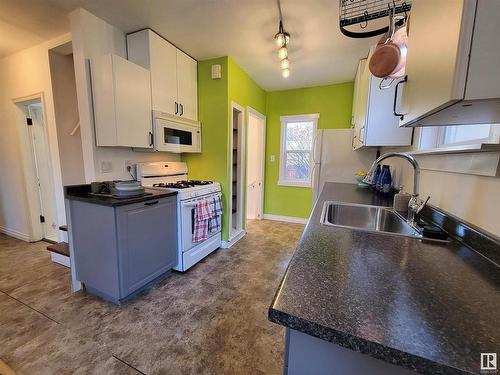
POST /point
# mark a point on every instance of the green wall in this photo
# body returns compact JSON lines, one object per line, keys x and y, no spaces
{"x":212,"y":163}
{"x":214,"y":109}
{"x":334,"y":104}
{"x":215,"y":97}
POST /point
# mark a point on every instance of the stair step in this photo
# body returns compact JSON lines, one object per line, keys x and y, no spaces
{"x":59,"y":248}
{"x":64,"y":228}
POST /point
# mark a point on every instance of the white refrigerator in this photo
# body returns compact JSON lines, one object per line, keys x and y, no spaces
{"x":334,"y":160}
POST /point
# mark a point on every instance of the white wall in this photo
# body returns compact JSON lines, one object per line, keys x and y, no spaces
{"x":21,"y":75}
{"x":475,"y":199}
{"x":66,"y":112}
{"x":94,"y":37}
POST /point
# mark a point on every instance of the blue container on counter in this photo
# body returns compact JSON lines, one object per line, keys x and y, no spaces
{"x":385,"y":180}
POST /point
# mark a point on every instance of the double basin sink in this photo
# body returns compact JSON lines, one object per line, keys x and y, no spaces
{"x":367,"y":218}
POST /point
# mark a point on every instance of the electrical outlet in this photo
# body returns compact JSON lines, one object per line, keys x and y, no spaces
{"x":273,"y":158}
{"x":106,"y":166}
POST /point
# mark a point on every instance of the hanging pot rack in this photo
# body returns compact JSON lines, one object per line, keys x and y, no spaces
{"x":353,"y":12}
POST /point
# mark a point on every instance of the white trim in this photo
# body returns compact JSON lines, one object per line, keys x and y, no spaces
{"x":238,"y":236}
{"x":296,"y":118}
{"x":59,"y":258}
{"x":310,"y":116}
{"x":239,"y":185}
{"x":259,"y":115}
{"x":286,"y":219}
{"x":15,"y":234}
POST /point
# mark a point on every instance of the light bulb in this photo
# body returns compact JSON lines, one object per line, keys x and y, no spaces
{"x":280,"y":39}
{"x":285,"y":63}
{"x":285,"y":73}
{"x":283,"y":53}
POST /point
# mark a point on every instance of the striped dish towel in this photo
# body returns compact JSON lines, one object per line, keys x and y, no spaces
{"x":216,"y":208}
{"x":202,"y":217}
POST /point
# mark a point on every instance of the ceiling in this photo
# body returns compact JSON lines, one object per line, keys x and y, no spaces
{"x":319,"y":54}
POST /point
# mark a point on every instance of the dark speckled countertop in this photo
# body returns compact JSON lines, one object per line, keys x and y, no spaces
{"x":428,"y":307}
{"x":82,"y":193}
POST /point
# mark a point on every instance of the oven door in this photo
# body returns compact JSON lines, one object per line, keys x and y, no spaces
{"x":187,"y":222}
{"x":177,"y":137}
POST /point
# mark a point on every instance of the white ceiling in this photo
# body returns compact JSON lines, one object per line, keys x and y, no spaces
{"x":319,"y":53}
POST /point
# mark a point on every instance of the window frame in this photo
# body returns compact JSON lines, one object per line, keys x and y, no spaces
{"x":282,"y":180}
{"x":432,"y":138}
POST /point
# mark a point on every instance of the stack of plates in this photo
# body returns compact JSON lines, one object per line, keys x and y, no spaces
{"x":127,"y":189}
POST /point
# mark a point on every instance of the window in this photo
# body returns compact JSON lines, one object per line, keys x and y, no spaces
{"x":297,"y":138}
{"x":437,"y":137}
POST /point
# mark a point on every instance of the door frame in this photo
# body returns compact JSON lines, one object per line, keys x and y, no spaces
{"x":32,"y":207}
{"x":242,"y":143}
{"x":254,"y":112}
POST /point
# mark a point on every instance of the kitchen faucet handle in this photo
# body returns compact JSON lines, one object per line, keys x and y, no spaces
{"x":423,"y":204}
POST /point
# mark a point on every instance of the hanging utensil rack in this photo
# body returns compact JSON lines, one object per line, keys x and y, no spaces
{"x":352,"y":12}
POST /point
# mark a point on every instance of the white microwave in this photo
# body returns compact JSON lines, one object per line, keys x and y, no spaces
{"x":175,"y":135}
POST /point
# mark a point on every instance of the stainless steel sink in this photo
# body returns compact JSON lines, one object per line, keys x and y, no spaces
{"x":366,"y":218}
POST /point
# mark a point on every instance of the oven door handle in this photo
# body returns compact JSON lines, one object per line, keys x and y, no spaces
{"x":191,"y":205}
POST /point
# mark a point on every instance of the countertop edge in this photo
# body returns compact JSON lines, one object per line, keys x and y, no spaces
{"x":360,"y":345}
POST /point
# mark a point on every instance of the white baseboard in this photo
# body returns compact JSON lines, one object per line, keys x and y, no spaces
{"x":61,"y":259}
{"x":286,"y":219}
{"x":15,"y":234}
{"x":238,"y":236}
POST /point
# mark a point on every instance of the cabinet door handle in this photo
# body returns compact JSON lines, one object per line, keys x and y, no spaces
{"x":182,"y":109}
{"x":151,"y":203}
{"x":394,"y":110}
{"x":176,"y":108}
{"x":150,"y":138}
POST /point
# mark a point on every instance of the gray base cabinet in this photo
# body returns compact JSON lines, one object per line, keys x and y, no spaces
{"x":306,"y":354}
{"x":119,"y":250}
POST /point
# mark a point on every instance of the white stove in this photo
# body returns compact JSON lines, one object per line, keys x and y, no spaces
{"x":173,"y":176}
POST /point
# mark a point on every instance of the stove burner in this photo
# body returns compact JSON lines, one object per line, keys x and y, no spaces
{"x":182,"y":184}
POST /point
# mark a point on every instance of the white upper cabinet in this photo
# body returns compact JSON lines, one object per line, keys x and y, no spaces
{"x":187,"y":86}
{"x":373,"y":121}
{"x":453,"y":64}
{"x":122,"y":102}
{"x":174,"y":87}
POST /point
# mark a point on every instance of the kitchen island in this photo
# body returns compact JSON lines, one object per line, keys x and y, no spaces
{"x":360,"y":302}
{"x":118,"y":246}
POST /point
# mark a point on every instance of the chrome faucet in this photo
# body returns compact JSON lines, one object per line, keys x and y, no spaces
{"x":415,"y":205}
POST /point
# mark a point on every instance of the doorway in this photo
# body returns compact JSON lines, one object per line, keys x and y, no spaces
{"x":256,"y":150}
{"x":37,"y":169}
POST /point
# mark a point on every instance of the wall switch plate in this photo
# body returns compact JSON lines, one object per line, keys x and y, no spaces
{"x":273,"y":158}
{"x":106,"y":167}
{"x":216,"y":71}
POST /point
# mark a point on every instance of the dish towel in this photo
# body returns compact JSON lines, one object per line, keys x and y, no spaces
{"x":216,"y":208}
{"x":202,"y":216}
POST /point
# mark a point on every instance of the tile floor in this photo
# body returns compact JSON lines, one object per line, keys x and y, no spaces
{"x":209,"y":320}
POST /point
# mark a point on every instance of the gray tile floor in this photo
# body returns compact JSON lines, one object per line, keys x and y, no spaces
{"x":210,"y":320}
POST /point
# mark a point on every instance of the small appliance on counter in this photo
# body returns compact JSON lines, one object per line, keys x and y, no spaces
{"x":118,"y":189}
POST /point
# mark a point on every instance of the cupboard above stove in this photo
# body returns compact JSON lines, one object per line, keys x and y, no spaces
{"x":174,"y":87}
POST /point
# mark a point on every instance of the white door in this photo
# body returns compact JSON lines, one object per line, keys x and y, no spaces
{"x":163,"y":57}
{"x":187,"y":86}
{"x":42,"y":171}
{"x":255,"y":164}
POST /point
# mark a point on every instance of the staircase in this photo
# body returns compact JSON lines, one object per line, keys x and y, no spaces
{"x":59,"y":252}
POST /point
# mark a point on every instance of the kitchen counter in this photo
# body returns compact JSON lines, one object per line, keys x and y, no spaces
{"x":82,"y":193}
{"x":426,"y":306}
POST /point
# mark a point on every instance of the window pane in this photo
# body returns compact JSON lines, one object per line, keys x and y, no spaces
{"x":297,"y":165}
{"x":299,"y":136}
{"x":463,"y":133}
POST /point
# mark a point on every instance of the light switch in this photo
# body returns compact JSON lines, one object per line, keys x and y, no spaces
{"x":273,"y":158}
{"x":106,"y":166}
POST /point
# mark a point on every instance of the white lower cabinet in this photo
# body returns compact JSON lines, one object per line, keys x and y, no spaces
{"x":122,"y":102}
{"x":373,"y":119}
